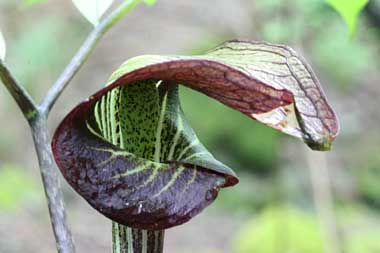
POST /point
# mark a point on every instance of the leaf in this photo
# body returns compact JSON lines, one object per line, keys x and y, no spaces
{"x":129,"y":151}
{"x":349,"y":10}
{"x":150,"y":2}
{"x":2,"y":47}
{"x":92,"y":10}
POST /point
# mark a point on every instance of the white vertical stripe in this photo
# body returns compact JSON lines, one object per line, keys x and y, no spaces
{"x":113,"y":119}
{"x":130,"y":240}
{"x":108,"y":117}
{"x":121,"y":129}
{"x":103,"y":116}
{"x":144,"y":241}
{"x":117,"y":237}
{"x":97,"y":116}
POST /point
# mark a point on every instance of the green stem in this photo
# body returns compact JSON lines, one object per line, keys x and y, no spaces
{"x":131,"y":240}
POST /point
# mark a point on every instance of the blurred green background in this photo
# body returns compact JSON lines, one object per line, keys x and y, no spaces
{"x":288,"y":200}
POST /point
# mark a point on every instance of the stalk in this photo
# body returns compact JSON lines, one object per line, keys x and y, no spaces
{"x":131,"y":240}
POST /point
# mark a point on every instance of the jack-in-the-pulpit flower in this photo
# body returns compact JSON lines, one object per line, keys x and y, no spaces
{"x":130,"y":152}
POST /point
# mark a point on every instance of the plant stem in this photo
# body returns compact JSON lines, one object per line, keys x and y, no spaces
{"x":324,"y":201}
{"x":51,"y":184}
{"x":37,"y":119}
{"x":20,"y":95}
{"x":130,"y":240}
{"x":39,"y":129}
{"x":83,"y":53}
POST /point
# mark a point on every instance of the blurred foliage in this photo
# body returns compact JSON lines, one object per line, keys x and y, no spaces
{"x":349,"y":10}
{"x":36,"y":54}
{"x":32,"y":45}
{"x":150,"y":2}
{"x":2,"y":46}
{"x":253,"y":194}
{"x":280,"y":229}
{"x":322,"y":36}
{"x":16,"y":189}
{"x":360,"y":228}
{"x":365,"y":242}
{"x":285,"y":228}
{"x":360,"y":57}
{"x":33,"y":2}
{"x":369,"y":185}
{"x":233,"y":137}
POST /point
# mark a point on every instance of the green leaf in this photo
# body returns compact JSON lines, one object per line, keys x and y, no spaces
{"x":150,"y":2}
{"x":2,"y":47}
{"x":130,"y":152}
{"x":92,"y":10}
{"x":349,"y":10}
